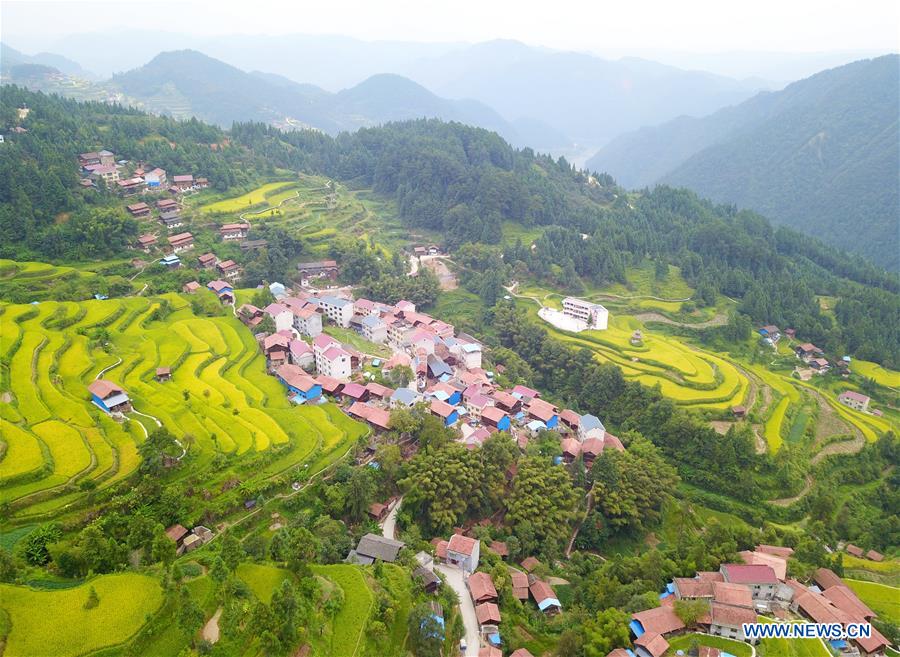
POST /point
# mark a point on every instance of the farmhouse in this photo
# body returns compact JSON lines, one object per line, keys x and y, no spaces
{"x":155,"y":178}
{"x":170,"y":260}
{"x":658,"y":620}
{"x":590,"y":426}
{"x":463,"y":552}
{"x":492,"y":416}
{"x":481,"y":588}
{"x":223,"y":290}
{"x":171,"y":218}
{"x":404,"y":398}
{"x":190,"y":287}
{"x":109,"y":397}
{"x":377,"y":417}
{"x":728,"y":621}
{"x":281,"y":315}
{"x":183,"y":182}
{"x":544,"y":596}
{"x":166,"y":205}
{"x":333,"y":361}
{"x":427,"y":579}
{"x":372,"y":547}
{"x":276,"y":347}
{"x":373,"y":329}
{"x":650,"y":644}
{"x":855,"y":400}
{"x":593,"y":315}
{"x":488,"y":614}
{"x":138,"y":209}
{"x":146,"y":242}
{"x":807,"y":351}
{"x":236,"y":231}
{"x":298,"y":382}
{"x":319,"y":269}
{"x":444,"y":411}
{"x":760,"y":578}
{"x":250,"y":315}
{"x":176,"y":534}
{"x":103,"y":157}
{"x":130,"y":186}
{"x":181,"y":242}
{"x":519,"y":583}
{"x":542,"y":411}
{"x":229,"y":270}
{"x":163,"y":374}
{"x":207,"y":260}
{"x":108,"y":173}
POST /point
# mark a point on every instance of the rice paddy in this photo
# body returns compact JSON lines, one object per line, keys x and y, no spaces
{"x":219,"y":399}
{"x":125,"y":602}
{"x":270,"y":194}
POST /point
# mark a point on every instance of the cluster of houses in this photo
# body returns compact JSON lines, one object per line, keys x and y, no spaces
{"x":738,"y":593}
{"x":181,"y":242}
{"x":102,"y":166}
{"x":446,"y":367}
{"x":188,"y":540}
{"x":860,"y":553}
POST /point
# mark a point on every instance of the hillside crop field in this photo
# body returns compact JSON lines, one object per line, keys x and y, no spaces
{"x":884,"y":600}
{"x":125,"y":602}
{"x":219,"y":399}
{"x":269,"y":194}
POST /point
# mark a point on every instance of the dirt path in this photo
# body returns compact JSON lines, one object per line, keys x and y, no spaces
{"x":437,"y":265}
{"x":250,"y":213}
{"x":719,"y":320}
{"x":108,"y":368}
{"x":211,"y":629}
{"x":787,"y":501}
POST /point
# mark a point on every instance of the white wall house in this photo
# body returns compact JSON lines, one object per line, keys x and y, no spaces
{"x":593,"y":314}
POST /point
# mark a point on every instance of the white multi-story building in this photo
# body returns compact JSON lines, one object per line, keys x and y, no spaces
{"x":331,"y":359}
{"x":373,"y":329}
{"x":308,"y":322}
{"x":338,"y":310}
{"x":593,"y":314}
{"x":281,"y":315}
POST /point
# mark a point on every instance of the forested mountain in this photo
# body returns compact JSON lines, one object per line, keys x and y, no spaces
{"x":820,"y":156}
{"x":463,"y":182}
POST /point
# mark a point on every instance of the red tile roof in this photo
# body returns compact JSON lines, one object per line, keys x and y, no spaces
{"x":749,"y":574}
{"x":481,"y":586}
{"x":689,"y":587}
{"x":541,"y":410}
{"x":488,"y":613}
{"x":530,"y":563}
{"x":732,"y":616}
{"x":462,"y":544}
{"x":103,"y":388}
{"x":846,"y":600}
{"x":826,"y":578}
{"x":653,"y":643}
{"x":541,"y":591}
{"x":660,"y":620}
{"x":736,"y":595}
{"x":443,"y":409}
{"x":777,"y":550}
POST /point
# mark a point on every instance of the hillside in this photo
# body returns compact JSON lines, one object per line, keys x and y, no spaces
{"x":10,"y":57}
{"x":816,"y":156}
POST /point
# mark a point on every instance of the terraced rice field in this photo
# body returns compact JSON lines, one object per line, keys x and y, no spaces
{"x":691,"y":377}
{"x":884,"y":600}
{"x":220,"y":397}
{"x":269,"y":194}
{"x":125,"y":602}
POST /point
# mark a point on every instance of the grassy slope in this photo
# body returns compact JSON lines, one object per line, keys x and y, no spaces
{"x":884,"y":600}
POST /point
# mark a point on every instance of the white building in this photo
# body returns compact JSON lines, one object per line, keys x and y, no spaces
{"x":590,"y":426}
{"x":281,"y":315}
{"x":338,"y":310}
{"x":331,"y":359}
{"x":308,"y":322}
{"x":373,"y":329}
{"x":464,"y":552}
{"x":593,"y":314}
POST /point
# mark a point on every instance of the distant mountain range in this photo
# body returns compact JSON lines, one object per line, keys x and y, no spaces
{"x":563,"y":102}
{"x":10,"y":58}
{"x":820,"y":156}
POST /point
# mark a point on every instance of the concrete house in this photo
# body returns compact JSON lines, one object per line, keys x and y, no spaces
{"x":464,"y":552}
{"x":281,"y":315}
{"x":373,"y":329}
{"x":444,"y":411}
{"x":538,"y":409}
{"x":492,"y":416}
{"x":760,"y":578}
{"x":236,"y":231}
{"x":337,"y":309}
{"x":298,"y":382}
{"x":855,"y":400}
{"x":590,"y":426}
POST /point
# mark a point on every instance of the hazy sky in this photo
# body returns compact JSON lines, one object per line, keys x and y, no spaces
{"x":595,"y":25}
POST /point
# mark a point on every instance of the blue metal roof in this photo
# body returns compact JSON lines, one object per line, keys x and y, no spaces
{"x":636,"y":628}
{"x":588,"y":422}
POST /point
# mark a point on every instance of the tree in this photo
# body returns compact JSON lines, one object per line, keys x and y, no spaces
{"x":190,"y":615}
{"x":400,"y":376}
{"x":691,"y":611}
{"x":426,"y":633}
{"x":360,"y":491}
{"x":543,"y":500}
{"x":163,"y":549}
{"x":607,"y":630}
{"x":230,"y":551}
{"x":92,"y":600}
{"x":9,"y":568}
{"x":219,"y":571}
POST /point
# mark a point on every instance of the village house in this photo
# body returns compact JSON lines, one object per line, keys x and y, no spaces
{"x":163,"y":374}
{"x":329,"y":384}
{"x":488,"y":615}
{"x":130,"y":186}
{"x":377,"y":417}
{"x":181,"y":242}
{"x":373,"y":329}
{"x":327,"y":269}
{"x":155,"y":178}
{"x":171,"y":218}
{"x":727,"y":621}
{"x":223,"y":290}
{"x":355,"y":392}
{"x":337,"y":309}
{"x":760,"y":578}
{"x":301,"y":354}
{"x":276,"y":348}
{"x":494,"y":417}
{"x":190,"y":287}
{"x":650,"y":644}
{"x":237,"y":231}
{"x":481,"y":588}
{"x":771,"y":333}
{"x":104,"y":157}
{"x":166,"y":205}
{"x":229,"y":270}
{"x":146,"y":242}
{"x":308,"y":321}
{"x":404,"y":398}
{"x":183,"y":182}
{"x":545,"y":412}
{"x":444,"y":411}
{"x":207,"y":260}
{"x":109,"y":397}
{"x":519,"y":584}
{"x":138,"y":209}
{"x":250,"y":315}
{"x":855,"y":400}
{"x":108,"y":174}
{"x":176,"y":533}
{"x":544,"y":596}
{"x":372,"y":548}
{"x":807,"y":351}
{"x":281,"y":315}
{"x":463,"y":552}
{"x":593,"y":315}
{"x":331,"y":359}
{"x":303,"y":387}
{"x":590,"y":426}
{"x":254,"y":245}
{"x":660,"y":620}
